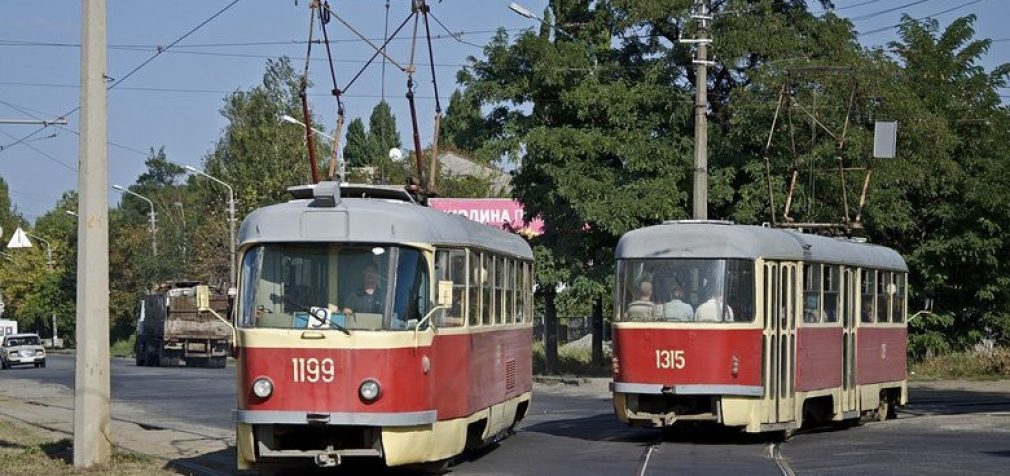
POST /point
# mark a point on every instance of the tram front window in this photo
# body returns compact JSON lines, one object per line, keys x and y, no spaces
{"x":322,"y":286}
{"x":686,"y":290}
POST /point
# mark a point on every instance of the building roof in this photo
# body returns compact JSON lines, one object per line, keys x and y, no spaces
{"x":371,"y":220}
{"x":456,"y":164}
{"x":688,"y":239}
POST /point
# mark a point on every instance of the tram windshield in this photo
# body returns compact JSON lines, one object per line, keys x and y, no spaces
{"x":333,"y":286}
{"x":685,"y":290}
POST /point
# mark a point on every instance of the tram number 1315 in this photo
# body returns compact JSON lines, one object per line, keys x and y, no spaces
{"x":670,"y":359}
{"x":312,"y":370}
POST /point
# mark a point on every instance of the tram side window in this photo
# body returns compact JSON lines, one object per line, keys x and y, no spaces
{"x":527,"y":292}
{"x":812,"y":293}
{"x":510,"y":292}
{"x":867,"y":287}
{"x":487,"y":290}
{"x":473,"y":288}
{"x":739,"y":292}
{"x":898,"y":302}
{"x":883,"y":296}
{"x":831,"y":279}
{"x":450,"y":265}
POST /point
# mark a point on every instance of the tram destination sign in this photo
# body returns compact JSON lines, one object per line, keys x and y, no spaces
{"x":496,"y":212}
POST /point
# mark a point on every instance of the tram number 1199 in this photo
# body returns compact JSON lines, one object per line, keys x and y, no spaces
{"x":312,"y":370}
{"x":670,"y":359}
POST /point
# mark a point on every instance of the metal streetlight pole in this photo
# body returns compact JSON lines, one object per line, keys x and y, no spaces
{"x":340,"y":154}
{"x":231,"y":217}
{"x":49,"y":267}
{"x":153,"y":226}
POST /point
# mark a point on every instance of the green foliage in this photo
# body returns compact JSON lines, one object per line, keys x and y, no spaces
{"x":973,"y":364}
{"x":357,"y":152}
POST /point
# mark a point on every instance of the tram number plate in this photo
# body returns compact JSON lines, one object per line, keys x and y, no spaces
{"x":670,"y":359}
{"x":312,"y":370}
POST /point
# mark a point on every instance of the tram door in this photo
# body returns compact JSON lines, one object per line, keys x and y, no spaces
{"x":849,"y":292}
{"x":780,"y":326}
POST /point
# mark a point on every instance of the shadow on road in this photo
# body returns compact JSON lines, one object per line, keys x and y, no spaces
{"x":601,"y":427}
{"x":928,"y":401}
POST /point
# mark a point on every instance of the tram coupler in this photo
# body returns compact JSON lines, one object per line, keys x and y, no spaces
{"x":327,"y":460}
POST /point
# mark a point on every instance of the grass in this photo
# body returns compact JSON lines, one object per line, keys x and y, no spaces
{"x":26,"y":451}
{"x":973,"y":364}
{"x":123,"y":348}
{"x":573,"y":361}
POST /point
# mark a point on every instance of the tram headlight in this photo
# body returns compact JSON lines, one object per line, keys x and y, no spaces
{"x":262,"y":387}
{"x":369,"y":390}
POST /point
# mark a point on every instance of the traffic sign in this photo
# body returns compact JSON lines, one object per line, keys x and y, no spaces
{"x":19,"y":240}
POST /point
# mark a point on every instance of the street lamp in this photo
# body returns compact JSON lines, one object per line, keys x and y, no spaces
{"x":153,"y":227}
{"x":524,"y":12}
{"x":231,"y":217}
{"x":291,"y":120}
{"x":49,"y":267}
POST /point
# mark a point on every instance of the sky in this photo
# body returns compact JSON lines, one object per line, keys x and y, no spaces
{"x":174,"y":101}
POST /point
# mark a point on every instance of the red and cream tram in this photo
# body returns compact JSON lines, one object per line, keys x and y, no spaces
{"x":755,"y":327}
{"x":371,"y":326}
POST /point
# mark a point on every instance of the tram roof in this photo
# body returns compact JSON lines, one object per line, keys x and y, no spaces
{"x":372,"y":220}
{"x":726,"y":240}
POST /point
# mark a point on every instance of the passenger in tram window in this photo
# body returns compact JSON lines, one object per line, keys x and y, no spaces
{"x":812,"y":313}
{"x":642,"y":308}
{"x":676,"y":309}
{"x":714,"y":310}
{"x":370,"y":297}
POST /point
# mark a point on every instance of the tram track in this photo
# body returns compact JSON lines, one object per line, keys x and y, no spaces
{"x":643,"y":464}
{"x":775,"y":454}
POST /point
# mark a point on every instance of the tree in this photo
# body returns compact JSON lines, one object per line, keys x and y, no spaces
{"x":257,"y":155}
{"x":465,"y":128}
{"x":382,"y":132}
{"x":357,"y":151}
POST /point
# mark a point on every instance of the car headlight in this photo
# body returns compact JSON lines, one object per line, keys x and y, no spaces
{"x":369,"y":390}
{"x":40,"y":352}
{"x":262,"y":387}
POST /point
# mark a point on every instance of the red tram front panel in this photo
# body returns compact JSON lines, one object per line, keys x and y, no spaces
{"x":682,"y":356}
{"x":327,"y":380}
{"x":465,"y":372}
{"x":818,"y":358}
{"x":881,"y":354}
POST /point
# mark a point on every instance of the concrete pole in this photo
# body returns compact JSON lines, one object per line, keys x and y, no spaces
{"x":701,"y":118}
{"x":91,"y":386}
{"x":231,"y":233}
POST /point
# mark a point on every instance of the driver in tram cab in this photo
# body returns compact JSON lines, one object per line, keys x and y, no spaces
{"x":709,"y":310}
{"x":370,"y":297}
{"x":642,"y":308}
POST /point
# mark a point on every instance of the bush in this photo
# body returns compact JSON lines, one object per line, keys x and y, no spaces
{"x":124,"y":347}
{"x":572,"y":360}
{"x":981,"y":363}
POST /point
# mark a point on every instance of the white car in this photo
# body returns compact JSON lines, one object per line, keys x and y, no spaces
{"x":22,"y":349}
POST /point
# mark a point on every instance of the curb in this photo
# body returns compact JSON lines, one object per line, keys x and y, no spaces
{"x":556,"y":380}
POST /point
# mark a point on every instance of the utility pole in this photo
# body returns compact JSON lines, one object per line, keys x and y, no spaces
{"x":91,"y":386}
{"x":701,"y":64}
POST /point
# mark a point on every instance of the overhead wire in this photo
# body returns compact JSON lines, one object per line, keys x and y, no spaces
{"x":930,"y":16}
{"x":133,"y":71}
{"x":889,"y":10}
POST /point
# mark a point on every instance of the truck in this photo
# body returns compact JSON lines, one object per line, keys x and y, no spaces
{"x":171,"y":329}
{"x":8,"y":327}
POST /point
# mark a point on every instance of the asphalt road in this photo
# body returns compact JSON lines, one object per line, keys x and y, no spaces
{"x":571,"y":430}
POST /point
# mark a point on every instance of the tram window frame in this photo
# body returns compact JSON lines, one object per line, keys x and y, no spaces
{"x":812,"y":287}
{"x":446,"y":269}
{"x":867,"y":292}
{"x":503,"y":284}
{"x":510,"y":292}
{"x":487,"y":289}
{"x":898,"y":301}
{"x":884,"y":281}
{"x":528,"y":292}
{"x":831,"y":285}
{"x":473,"y":287}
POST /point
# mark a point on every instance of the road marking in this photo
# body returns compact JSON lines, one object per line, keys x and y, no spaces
{"x":776,"y":455}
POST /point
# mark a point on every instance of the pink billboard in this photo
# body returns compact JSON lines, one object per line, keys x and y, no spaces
{"x":496,"y":212}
